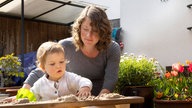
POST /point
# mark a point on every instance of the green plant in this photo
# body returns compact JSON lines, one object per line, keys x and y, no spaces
{"x":10,"y":66}
{"x":174,"y":85}
{"x":135,"y":70}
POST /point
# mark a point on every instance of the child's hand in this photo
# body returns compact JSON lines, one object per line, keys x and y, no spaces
{"x":84,"y":92}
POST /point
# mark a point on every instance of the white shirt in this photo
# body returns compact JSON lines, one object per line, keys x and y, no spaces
{"x":70,"y":83}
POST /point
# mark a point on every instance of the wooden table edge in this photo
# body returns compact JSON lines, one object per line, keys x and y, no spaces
{"x":78,"y":104}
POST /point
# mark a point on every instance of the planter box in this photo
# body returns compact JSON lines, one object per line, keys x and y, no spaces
{"x":143,"y":91}
{"x":172,"y":104}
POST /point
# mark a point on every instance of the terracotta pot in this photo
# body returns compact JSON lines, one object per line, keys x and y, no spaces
{"x":172,"y":104}
{"x":144,"y":91}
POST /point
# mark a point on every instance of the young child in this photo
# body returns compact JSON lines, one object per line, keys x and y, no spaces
{"x":57,"y":81}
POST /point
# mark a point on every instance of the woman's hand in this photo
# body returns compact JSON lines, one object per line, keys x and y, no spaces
{"x":104,"y":91}
{"x":84,"y":92}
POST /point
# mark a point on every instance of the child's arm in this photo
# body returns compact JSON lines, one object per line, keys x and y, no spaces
{"x":84,"y":92}
{"x":81,"y":85}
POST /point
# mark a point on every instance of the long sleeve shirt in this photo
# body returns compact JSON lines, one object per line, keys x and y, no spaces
{"x":70,"y":83}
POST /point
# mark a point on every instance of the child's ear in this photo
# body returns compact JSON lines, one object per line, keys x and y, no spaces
{"x":41,"y":66}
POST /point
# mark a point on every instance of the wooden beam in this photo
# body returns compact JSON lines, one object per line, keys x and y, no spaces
{"x":71,"y":4}
{"x":5,"y":2}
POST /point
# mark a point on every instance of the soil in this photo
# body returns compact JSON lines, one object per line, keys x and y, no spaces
{"x":68,"y":98}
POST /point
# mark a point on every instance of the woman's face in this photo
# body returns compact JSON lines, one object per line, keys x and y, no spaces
{"x":89,"y":36}
{"x":55,"y":65}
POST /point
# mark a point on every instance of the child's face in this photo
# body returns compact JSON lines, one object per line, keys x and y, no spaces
{"x":55,"y":65}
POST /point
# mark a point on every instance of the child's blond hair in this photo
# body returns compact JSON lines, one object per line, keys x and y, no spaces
{"x":45,"y":49}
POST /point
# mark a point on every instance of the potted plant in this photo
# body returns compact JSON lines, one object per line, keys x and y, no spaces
{"x":134,"y":74}
{"x":174,"y":88}
{"x":10,"y":67}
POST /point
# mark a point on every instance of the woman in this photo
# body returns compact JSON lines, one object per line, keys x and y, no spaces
{"x":90,"y":51}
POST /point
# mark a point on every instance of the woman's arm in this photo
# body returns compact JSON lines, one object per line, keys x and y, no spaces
{"x":33,"y":76}
{"x":112,"y":68}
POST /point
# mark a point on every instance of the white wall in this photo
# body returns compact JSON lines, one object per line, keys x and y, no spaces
{"x":113,"y":7}
{"x":157,"y":29}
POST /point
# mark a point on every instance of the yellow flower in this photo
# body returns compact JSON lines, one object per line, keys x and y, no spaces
{"x":184,"y":96}
{"x":159,"y":94}
{"x":176,"y":96}
{"x":188,"y":61}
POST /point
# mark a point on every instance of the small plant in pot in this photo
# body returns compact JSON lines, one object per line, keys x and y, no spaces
{"x":10,"y":67}
{"x":135,"y":71}
{"x":174,"y":88}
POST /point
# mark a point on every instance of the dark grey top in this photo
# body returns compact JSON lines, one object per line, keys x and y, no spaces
{"x":101,"y":70}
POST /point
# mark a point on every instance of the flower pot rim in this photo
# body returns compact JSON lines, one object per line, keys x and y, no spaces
{"x":171,"y":101}
{"x":143,"y":86}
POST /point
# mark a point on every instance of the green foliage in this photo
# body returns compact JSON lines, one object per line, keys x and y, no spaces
{"x":10,"y":66}
{"x":135,"y":70}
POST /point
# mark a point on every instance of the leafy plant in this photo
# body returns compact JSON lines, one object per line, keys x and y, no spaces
{"x":136,"y":70}
{"x":174,"y":85}
{"x":10,"y":66}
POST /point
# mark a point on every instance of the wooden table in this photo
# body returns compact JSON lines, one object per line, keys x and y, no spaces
{"x":3,"y":89}
{"x":78,"y":104}
{"x":12,"y":91}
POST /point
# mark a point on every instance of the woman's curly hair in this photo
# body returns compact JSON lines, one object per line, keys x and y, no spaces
{"x":99,"y":23}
